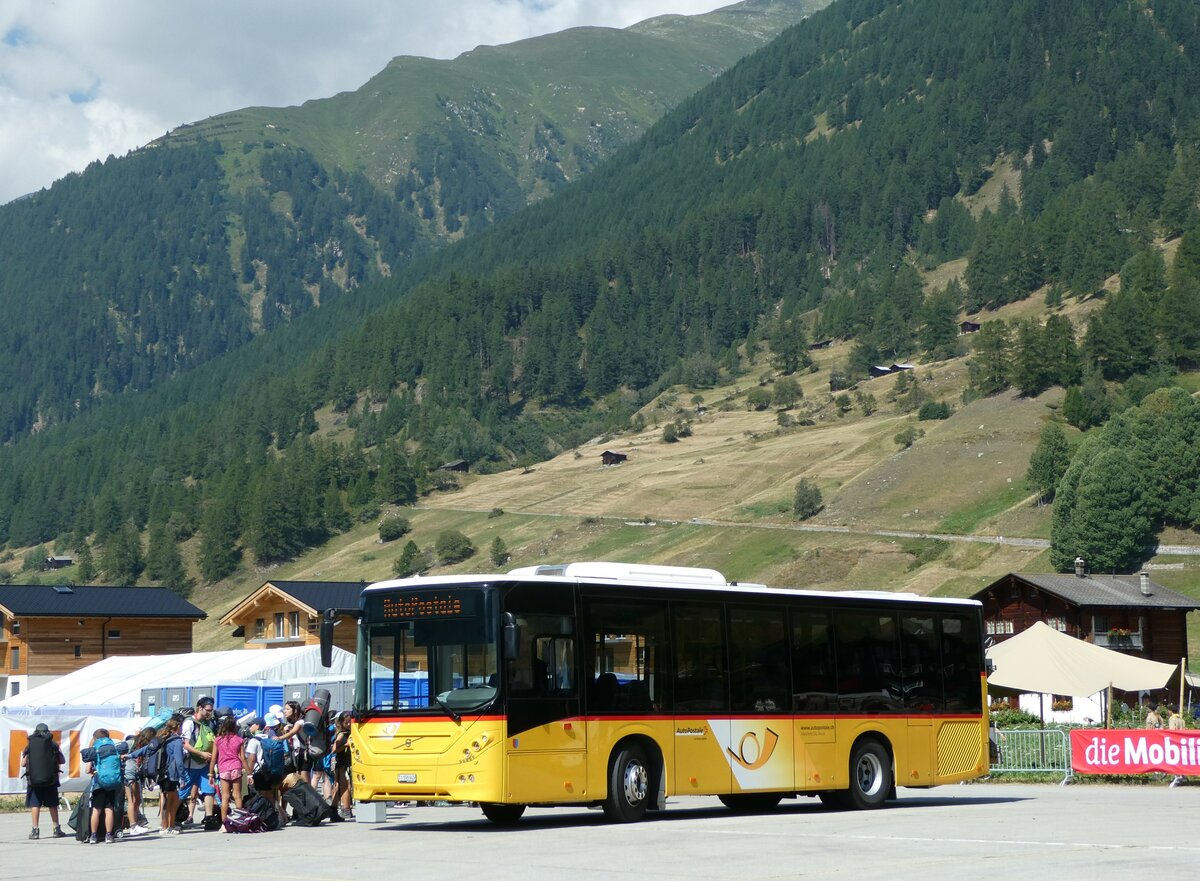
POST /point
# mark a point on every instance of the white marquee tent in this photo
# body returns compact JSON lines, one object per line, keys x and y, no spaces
{"x":1041,"y":659}
{"x":113,"y":686}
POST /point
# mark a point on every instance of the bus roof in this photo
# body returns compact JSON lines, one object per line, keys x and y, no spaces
{"x":639,"y":575}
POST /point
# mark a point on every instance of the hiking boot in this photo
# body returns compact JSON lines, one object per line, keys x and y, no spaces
{"x":58,"y":833}
{"x":33,"y":835}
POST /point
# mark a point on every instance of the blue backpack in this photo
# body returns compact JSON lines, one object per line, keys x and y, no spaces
{"x":108,"y":764}
{"x":274,"y":755}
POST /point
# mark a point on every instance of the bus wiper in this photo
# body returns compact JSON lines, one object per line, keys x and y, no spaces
{"x":450,"y":711}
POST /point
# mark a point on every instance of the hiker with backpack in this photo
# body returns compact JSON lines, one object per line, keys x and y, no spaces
{"x":269,"y":752}
{"x":42,"y":760}
{"x":340,"y":753}
{"x":133,"y":778}
{"x":227,"y":765}
{"x":198,"y":739}
{"x":104,"y":764}
{"x":163,"y":763}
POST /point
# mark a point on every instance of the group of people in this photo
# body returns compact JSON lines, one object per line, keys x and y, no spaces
{"x":1173,"y":722}
{"x":204,"y":758}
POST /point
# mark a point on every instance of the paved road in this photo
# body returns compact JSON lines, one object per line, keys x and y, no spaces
{"x":955,"y":832}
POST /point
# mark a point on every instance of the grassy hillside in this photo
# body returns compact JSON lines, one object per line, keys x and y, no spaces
{"x":545,"y":110}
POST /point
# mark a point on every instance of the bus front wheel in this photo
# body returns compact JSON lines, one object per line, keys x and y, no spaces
{"x":870,"y":775}
{"x":502,"y":815}
{"x":628,"y":785}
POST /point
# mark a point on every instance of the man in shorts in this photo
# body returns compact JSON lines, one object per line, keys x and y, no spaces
{"x":41,"y":776}
{"x":197,"y":751}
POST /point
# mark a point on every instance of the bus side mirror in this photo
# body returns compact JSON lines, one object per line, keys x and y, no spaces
{"x":511,"y":637}
{"x":327,"y":622}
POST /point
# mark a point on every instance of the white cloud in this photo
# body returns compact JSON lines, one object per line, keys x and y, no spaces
{"x":80,"y":80}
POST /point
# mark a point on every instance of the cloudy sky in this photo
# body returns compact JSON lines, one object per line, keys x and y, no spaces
{"x":83,"y":79}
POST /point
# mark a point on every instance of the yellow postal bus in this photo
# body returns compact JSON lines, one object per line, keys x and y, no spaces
{"x":622,"y":685}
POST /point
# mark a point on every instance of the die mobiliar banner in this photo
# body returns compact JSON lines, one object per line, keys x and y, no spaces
{"x":1115,"y":751}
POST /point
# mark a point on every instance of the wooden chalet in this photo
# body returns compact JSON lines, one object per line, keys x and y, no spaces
{"x":881,"y":370}
{"x":965,"y":327}
{"x":288,"y":613}
{"x":461,"y":466}
{"x":612,"y":457}
{"x":46,"y":631}
{"x":1127,"y":613}
{"x":56,"y":562}
{"x":820,"y":344}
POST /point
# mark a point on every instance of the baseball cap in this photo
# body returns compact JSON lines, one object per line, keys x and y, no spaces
{"x":259,"y":721}
{"x":41,"y":728}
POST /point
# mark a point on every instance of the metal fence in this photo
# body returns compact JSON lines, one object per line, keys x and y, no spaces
{"x":1036,"y":751}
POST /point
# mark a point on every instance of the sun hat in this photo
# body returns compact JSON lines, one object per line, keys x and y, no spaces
{"x":272,"y":719}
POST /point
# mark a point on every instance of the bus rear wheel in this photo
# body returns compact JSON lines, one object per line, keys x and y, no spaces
{"x":870,"y":775}
{"x":751,"y":802}
{"x":502,"y":815}
{"x":628,"y":785}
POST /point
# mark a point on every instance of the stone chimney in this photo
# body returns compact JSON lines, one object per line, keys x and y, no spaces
{"x":1080,"y":568}
{"x":1144,"y":583}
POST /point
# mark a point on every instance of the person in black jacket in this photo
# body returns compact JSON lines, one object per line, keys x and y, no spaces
{"x":42,"y":760}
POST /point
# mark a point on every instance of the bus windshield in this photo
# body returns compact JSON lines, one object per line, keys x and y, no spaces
{"x":431,"y":649}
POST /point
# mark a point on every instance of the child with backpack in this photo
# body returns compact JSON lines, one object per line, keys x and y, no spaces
{"x":227,"y":764}
{"x":104,"y":765}
{"x":161,"y":764}
{"x":41,"y":760}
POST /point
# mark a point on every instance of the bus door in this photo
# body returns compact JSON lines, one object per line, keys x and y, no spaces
{"x":702,"y":727}
{"x":547,"y":740}
{"x":922,"y":678}
{"x":814,"y":699}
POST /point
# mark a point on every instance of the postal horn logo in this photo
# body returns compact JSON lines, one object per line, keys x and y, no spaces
{"x":753,"y":755}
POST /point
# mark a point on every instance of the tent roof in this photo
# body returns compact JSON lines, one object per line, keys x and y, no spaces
{"x":118,"y":681}
{"x":1043,"y":660}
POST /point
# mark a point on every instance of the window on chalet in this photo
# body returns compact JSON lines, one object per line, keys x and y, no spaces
{"x":280,"y":625}
{"x":16,"y":659}
{"x":997,"y":628}
{"x":1059,"y":624}
{"x":312,"y":624}
{"x":293,"y":624}
{"x":79,"y":651}
{"x":16,"y":627}
{"x":114,"y":634}
{"x":260,"y":628}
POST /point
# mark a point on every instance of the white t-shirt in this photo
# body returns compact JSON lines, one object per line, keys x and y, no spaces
{"x":254,"y":751}
{"x":188,"y":733}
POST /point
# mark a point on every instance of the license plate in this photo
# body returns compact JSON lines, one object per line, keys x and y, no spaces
{"x":406,"y":778}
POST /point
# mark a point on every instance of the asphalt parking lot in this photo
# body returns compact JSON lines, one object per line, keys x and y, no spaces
{"x":981,"y":830}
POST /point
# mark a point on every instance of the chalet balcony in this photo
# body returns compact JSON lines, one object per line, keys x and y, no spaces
{"x":1121,"y":641}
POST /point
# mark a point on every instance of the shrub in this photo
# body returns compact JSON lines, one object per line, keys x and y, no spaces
{"x":394,"y":527}
{"x":907,"y":436}
{"x":807,"y":501}
{"x":669,"y":433}
{"x":758,"y":399}
{"x":933,"y":410}
{"x":499,"y":552}
{"x":410,"y":562}
{"x":495,"y":512}
{"x":453,"y":547}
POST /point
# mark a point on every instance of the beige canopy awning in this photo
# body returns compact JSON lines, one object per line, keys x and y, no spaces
{"x":1041,"y":659}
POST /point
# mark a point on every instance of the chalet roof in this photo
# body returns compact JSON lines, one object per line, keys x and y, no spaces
{"x":37,"y":600}
{"x":341,"y":596}
{"x":316,"y":596}
{"x":1101,"y":590}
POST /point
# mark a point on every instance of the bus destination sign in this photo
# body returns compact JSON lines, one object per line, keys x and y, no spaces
{"x":423,"y":605}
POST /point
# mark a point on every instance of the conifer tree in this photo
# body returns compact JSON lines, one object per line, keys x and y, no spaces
{"x":219,"y":534}
{"x":122,"y":557}
{"x":1049,"y":461}
{"x":85,"y":572}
